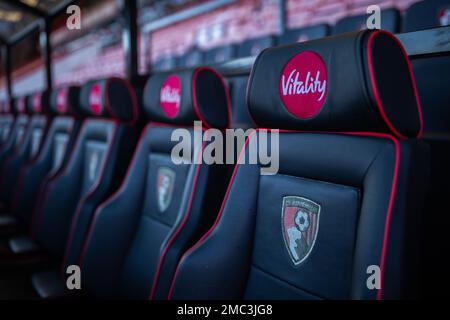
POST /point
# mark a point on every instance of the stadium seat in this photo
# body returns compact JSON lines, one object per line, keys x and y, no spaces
{"x":161,"y":207}
{"x":191,"y":59}
{"x":252,"y":47}
{"x":28,"y":148}
{"x":56,"y":148}
{"x":304,"y":34}
{"x":432,"y":77}
{"x":390,"y":21}
{"x":352,"y":178}
{"x":164,"y":63}
{"x":96,"y":166}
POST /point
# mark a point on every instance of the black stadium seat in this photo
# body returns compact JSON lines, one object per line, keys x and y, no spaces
{"x":390,"y":21}
{"x":96,"y":165}
{"x":304,"y":34}
{"x":56,"y":148}
{"x":433,"y":82}
{"x":253,"y":47}
{"x":28,"y":148}
{"x":350,"y":186}
{"x":427,"y":14}
{"x":161,"y":207}
{"x":165,"y":63}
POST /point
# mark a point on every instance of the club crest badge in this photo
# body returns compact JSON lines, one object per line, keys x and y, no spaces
{"x":300,"y":225}
{"x":164,"y":188}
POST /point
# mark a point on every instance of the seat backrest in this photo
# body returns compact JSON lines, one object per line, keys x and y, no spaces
{"x":6,"y":121}
{"x":390,"y":20}
{"x":56,"y":147}
{"x":252,"y":47}
{"x":30,"y":144}
{"x":164,"y":63}
{"x":167,"y":198}
{"x":96,"y":163}
{"x":351,"y":181}
{"x":17,"y":130}
{"x":304,"y":34}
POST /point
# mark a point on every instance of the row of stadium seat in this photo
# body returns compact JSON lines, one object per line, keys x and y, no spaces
{"x":421,"y":15}
{"x":362,"y":165}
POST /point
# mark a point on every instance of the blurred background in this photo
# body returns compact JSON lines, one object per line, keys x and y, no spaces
{"x":170,"y":33}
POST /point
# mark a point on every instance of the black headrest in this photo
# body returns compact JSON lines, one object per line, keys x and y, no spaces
{"x":304,"y":34}
{"x":187,"y":95}
{"x":427,"y":14}
{"x":253,"y":47}
{"x":360,"y":81}
{"x":38,"y":103}
{"x":65,"y":100}
{"x":112,"y":97}
{"x":390,"y":21}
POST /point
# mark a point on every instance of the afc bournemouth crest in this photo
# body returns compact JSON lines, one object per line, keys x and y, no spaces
{"x":164,"y":188}
{"x":300,"y":224}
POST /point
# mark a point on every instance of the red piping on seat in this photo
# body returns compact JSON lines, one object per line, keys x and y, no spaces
{"x":86,"y":196}
{"x":388,"y":214}
{"x":216,"y":222}
{"x":375,"y":88}
{"x":179,"y":228}
{"x":110,"y":198}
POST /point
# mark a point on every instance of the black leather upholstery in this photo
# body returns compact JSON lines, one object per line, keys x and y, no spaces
{"x":28,"y":148}
{"x":54,"y":154}
{"x":358,"y":69}
{"x":139,"y":220}
{"x":68,"y":199}
{"x":340,"y":203}
{"x":426,"y":14}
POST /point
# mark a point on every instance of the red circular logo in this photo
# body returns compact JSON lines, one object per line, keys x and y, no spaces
{"x":304,"y":85}
{"x":61,"y":101}
{"x":95,"y":99}
{"x":170,"y":96}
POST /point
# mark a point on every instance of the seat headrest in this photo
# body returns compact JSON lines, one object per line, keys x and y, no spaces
{"x":182,"y":97}
{"x":359,"y":81}
{"x":427,"y":14}
{"x":112,"y":97}
{"x":38,"y":102}
{"x":65,"y":100}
